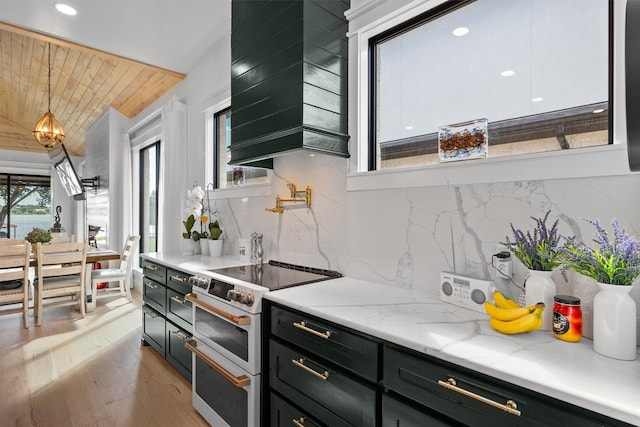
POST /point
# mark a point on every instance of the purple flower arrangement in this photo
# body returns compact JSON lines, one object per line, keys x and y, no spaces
{"x":538,"y":249}
{"x":612,"y":259}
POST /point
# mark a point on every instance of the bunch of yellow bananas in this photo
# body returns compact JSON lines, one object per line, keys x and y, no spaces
{"x":509,"y":318}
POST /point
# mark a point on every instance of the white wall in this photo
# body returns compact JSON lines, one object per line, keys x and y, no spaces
{"x":402,"y":236}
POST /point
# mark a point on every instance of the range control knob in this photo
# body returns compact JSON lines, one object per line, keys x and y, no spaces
{"x":250,"y":299}
{"x":233,"y":295}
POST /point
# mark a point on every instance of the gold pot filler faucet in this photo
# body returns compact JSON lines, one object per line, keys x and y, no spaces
{"x":294,"y":198}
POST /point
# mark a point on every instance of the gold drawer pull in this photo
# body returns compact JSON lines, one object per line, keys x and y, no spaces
{"x":150,"y":285}
{"x":179,"y":279}
{"x":302,"y":325}
{"x":181,"y":335}
{"x":510,"y":407}
{"x":151,"y":314}
{"x":240,"y":382}
{"x":300,"y":363}
{"x":177,"y":299}
{"x":151,"y":267}
{"x":298,"y":423}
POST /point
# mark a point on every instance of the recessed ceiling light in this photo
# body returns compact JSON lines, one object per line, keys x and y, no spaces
{"x":507,"y":73}
{"x":599,"y":110}
{"x":537,"y":99}
{"x":408,"y":127}
{"x":312,"y":155}
{"x":460,"y":31}
{"x":66,"y":9}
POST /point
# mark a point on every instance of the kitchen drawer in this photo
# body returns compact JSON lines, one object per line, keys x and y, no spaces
{"x":344,"y":347}
{"x":154,"y":294}
{"x":421,"y":378}
{"x":320,"y":389}
{"x":285,"y":415}
{"x":179,"y":310}
{"x":155,"y":271}
{"x":178,"y":281}
{"x":153,"y":329}
{"x":401,"y":414}
{"x":177,"y":354}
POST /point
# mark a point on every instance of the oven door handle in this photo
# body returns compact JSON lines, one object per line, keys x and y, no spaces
{"x":240,"y":382}
{"x":238,"y":320}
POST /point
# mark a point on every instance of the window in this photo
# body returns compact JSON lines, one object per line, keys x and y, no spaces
{"x":539,"y":71}
{"x":226,"y":175}
{"x":149,"y":184}
{"x":25,"y":203}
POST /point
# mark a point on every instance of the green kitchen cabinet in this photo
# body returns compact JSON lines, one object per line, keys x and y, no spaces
{"x":470,"y":398}
{"x":321,"y":371}
{"x":166,"y":314}
{"x":288,"y":79}
{"x":325,"y":374}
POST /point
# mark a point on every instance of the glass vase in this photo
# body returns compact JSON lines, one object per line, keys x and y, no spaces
{"x":614,"y":322}
{"x":540,"y":287}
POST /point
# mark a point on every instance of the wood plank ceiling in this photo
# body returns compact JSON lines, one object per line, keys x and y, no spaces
{"x":85,"y":82}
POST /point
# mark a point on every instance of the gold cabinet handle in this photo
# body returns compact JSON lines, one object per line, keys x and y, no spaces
{"x":240,"y":382}
{"x":151,"y":267}
{"x":179,"y":279}
{"x":300,"y":364}
{"x":150,"y":285}
{"x":238,"y":320}
{"x":510,"y":407}
{"x":298,"y":423}
{"x":180,"y":335}
{"x":177,"y":299}
{"x":151,"y":314}
{"x":302,"y":325}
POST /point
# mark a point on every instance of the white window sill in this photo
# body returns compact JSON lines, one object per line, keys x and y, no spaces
{"x":255,"y":190}
{"x":577,"y":163}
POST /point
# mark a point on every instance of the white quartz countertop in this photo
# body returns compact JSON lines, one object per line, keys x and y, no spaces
{"x":572,"y":372}
{"x":192,"y":263}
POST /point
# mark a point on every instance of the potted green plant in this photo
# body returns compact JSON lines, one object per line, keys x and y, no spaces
{"x":539,"y":251}
{"x":38,"y":235}
{"x":613,"y":261}
{"x":187,"y":241}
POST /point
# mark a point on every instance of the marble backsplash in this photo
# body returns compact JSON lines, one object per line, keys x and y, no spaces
{"x":405,"y":237}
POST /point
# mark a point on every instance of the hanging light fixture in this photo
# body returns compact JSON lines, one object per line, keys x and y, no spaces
{"x":48,"y":131}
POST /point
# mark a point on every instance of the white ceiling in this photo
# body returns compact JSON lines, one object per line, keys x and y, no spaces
{"x":171,"y":34}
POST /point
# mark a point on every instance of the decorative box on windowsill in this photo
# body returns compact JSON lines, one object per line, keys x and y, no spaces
{"x":463,"y":141}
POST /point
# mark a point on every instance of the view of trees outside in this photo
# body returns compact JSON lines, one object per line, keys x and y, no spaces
{"x":25,"y":203}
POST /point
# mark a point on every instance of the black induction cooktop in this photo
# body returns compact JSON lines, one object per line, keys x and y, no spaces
{"x":276,"y":274}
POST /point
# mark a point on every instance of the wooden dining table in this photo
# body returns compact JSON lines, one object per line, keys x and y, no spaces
{"x":93,"y":255}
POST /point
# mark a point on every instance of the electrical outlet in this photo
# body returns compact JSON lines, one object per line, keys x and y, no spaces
{"x":504,"y":267}
{"x":503,"y":263}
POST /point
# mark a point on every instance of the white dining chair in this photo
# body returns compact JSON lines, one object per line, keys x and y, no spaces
{"x":60,"y":272}
{"x":122,"y":274}
{"x":14,"y":280}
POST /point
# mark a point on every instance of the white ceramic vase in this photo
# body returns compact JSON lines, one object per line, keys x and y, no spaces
{"x":215,"y":248}
{"x":187,"y":246}
{"x":614,"y":322}
{"x":204,"y":247}
{"x":540,"y":287}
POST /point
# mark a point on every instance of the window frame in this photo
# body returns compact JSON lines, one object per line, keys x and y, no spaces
{"x":9,"y":184}
{"x":589,"y":161}
{"x":217,"y":105}
{"x":141,"y":226}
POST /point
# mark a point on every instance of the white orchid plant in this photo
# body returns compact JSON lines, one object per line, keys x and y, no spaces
{"x":193,"y":210}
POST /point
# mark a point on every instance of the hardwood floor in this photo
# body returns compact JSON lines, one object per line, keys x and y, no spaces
{"x":88,"y":372}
